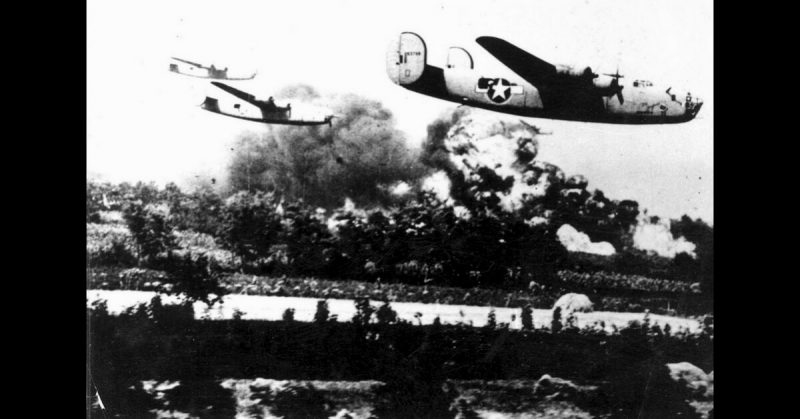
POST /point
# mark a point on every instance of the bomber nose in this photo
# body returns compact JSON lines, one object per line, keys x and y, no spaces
{"x":692,"y":106}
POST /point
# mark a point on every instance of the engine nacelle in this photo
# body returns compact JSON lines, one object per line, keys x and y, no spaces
{"x":574,"y":70}
{"x":603,"y":81}
{"x":406,"y":58}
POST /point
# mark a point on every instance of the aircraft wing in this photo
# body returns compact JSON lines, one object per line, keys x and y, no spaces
{"x":531,"y":68}
{"x":247,"y":97}
{"x":189,"y":62}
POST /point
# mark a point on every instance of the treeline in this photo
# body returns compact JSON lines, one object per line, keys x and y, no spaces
{"x":164,"y":342}
{"x":420,"y":241}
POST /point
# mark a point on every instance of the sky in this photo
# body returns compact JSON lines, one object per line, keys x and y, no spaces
{"x":143,"y":122}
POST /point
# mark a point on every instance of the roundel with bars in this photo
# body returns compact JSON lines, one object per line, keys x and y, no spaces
{"x":498,"y":90}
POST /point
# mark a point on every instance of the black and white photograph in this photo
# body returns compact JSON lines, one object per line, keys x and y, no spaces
{"x":400,"y":209}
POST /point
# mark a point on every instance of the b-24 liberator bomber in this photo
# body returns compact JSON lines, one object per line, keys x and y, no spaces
{"x":193,"y":69}
{"x":265,"y":111}
{"x":542,"y":90}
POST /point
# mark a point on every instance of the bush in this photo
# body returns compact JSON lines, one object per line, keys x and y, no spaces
{"x":195,"y":278}
{"x":527,"y":318}
{"x":109,"y":245}
{"x":555,"y":323}
{"x":198,"y":245}
{"x":385,"y":314}
{"x":149,"y":228}
{"x":249,"y":226}
{"x":364,"y":312}
{"x":617,"y":281}
{"x":288,"y":315}
{"x":200,"y":211}
{"x":140,"y":278}
{"x":491,"y":321}
{"x":176,"y":316}
{"x":322,"y":313}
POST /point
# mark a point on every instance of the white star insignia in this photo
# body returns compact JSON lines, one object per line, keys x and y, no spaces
{"x":500,"y":89}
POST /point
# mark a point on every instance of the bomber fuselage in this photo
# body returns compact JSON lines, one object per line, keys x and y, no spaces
{"x":567,"y":95}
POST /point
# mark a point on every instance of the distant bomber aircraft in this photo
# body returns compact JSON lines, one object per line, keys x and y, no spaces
{"x":189,"y":68}
{"x":265,"y":111}
{"x":543,"y":90}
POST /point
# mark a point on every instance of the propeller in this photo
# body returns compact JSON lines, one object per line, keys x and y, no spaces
{"x":329,"y":119}
{"x":615,"y":88}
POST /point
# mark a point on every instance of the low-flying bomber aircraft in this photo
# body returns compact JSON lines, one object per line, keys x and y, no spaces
{"x":189,"y":68}
{"x":265,"y":111}
{"x":542,"y":90}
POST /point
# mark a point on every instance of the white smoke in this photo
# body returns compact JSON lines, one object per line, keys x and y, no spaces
{"x":333,"y":223}
{"x":656,"y":237}
{"x":439,"y":184}
{"x":575,"y":241}
{"x":400,"y":189}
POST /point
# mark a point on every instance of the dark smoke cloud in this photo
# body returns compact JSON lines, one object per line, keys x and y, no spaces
{"x":359,"y":157}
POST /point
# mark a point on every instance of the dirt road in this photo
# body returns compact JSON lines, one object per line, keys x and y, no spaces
{"x":257,"y":307}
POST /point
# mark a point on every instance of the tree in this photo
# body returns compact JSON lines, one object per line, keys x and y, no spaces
{"x":385,"y":314}
{"x":250,"y":225}
{"x":197,"y":279}
{"x":199,"y":211}
{"x":288,"y":315}
{"x":527,"y":317}
{"x":322,"y":313}
{"x":491,"y":321}
{"x":555,"y":324}
{"x":702,"y":235}
{"x":364,"y":312}
{"x":150,"y":230}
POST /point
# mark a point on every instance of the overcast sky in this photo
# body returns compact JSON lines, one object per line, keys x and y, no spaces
{"x":144,"y":124}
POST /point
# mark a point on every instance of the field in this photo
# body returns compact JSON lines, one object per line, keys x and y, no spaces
{"x":491,"y":368}
{"x":405,"y":314}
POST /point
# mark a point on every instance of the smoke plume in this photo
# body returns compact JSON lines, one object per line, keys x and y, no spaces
{"x":360,"y":156}
{"x":575,"y":241}
{"x":655,"y":236}
{"x":487,"y":160}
